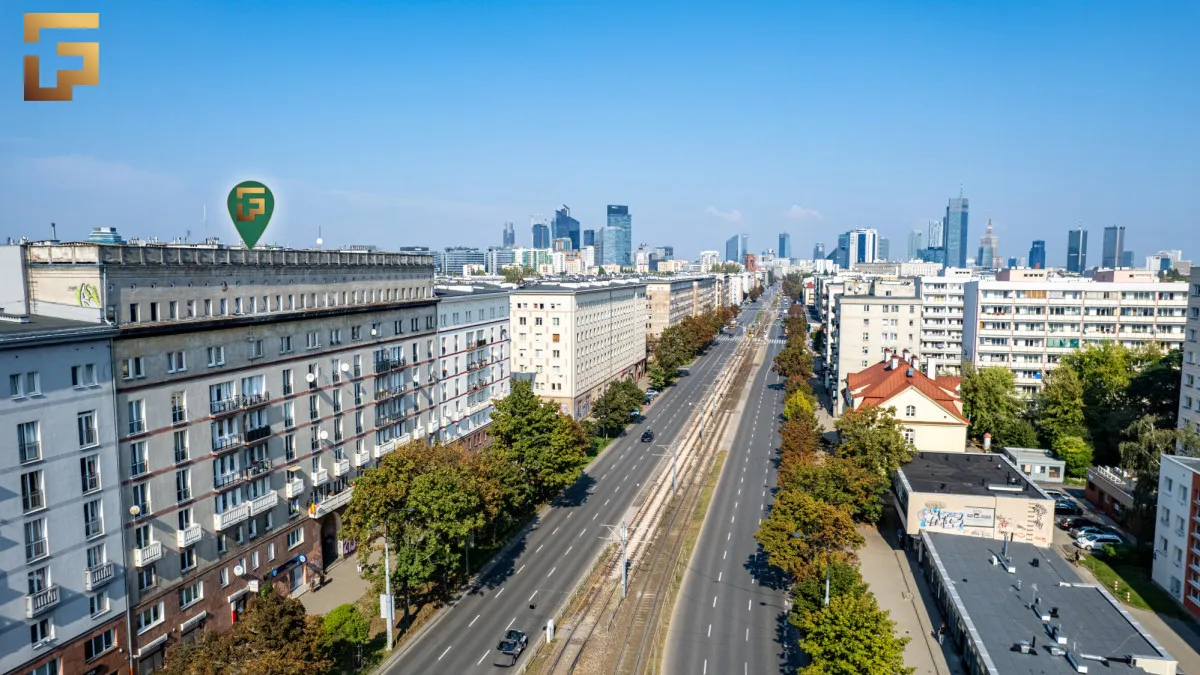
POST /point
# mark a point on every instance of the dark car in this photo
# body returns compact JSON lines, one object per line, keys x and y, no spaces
{"x":513,"y":644}
{"x":1066,"y":507}
{"x":1072,"y":523}
{"x":647,"y":436}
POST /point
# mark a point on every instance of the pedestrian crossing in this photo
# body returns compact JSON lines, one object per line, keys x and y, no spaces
{"x":743,"y":338}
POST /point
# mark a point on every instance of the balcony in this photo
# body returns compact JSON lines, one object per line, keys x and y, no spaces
{"x":257,"y":433}
{"x":98,"y":576}
{"x":224,"y":480}
{"x":330,"y":504}
{"x":294,"y":488}
{"x":227,"y":442}
{"x":256,"y":399}
{"x":235,"y":515}
{"x":341,"y":467}
{"x":481,"y":343}
{"x":320,"y":477}
{"x":36,"y":603}
{"x":188,"y":535}
{"x":362,"y":457}
{"x":384,"y":365}
{"x":178,"y":415}
{"x":224,"y":406}
{"x":257,"y":468}
{"x":264,"y":502}
{"x":385,"y":448}
{"x":148,"y":554}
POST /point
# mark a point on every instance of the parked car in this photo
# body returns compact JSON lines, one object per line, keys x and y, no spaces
{"x":1066,"y":507}
{"x":647,"y":436}
{"x":1099,"y":540}
{"x":1072,"y":523}
{"x":1056,"y":495}
{"x":1087,"y":530}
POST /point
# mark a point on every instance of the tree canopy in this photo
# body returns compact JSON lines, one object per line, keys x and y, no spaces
{"x":874,"y":438}
{"x":852,"y":636}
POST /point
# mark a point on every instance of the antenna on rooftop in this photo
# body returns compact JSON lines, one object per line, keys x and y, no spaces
{"x":319,"y":239}
{"x":204,"y":218}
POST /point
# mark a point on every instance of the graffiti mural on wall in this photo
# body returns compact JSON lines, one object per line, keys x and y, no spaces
{"x":87,"y":295}
{"x":936,"y":517}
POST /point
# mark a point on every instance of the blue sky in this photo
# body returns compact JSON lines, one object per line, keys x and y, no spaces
{"x":432,"y":123}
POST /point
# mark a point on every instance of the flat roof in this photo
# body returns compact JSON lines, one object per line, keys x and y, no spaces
{"x":572,"y":287}
{"x":968,"y":473}
{"x":46,"y":328}
{"x":1192,"y":463}
{"x":1033,"y":455}
{"x":998,"y":607}
{"x":477,"y":289}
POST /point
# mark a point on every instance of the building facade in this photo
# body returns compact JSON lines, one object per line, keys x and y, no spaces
{"x":1114,"y":247}
{"x":1176,"y":561}
{"x":65,"y":609}
{"x":1037,"y":255}
{"x":473,"y":353}
{"x":672,"y":301}
{"x":873,"y":316}
{"x":785,"y":245}
{"x":576,"y":338}
{"x":621,"y":250}
{"x":1077,"y":244}
{"x":954,"y":233}
{"x":942,"y":321}
{"x":541,"y":235}
{"x":1189,"y":390}
{"x":929,"y":409}
{"x":989,"y":244}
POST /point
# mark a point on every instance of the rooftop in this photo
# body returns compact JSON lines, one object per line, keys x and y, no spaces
{"x":1030,"y":455}
{"x":571,"y":287}
{"x":883,"y":381}
{"x":475,"y":289}
{"x":1000,"y":611}
{"x":968,"y":473}
{"x":40,"y":329}
{"x":1192,"y":463}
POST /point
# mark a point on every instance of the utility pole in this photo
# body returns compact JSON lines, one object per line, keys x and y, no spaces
{"x":622,"y":532}
{"x":674,"y":465}
{"x":390,"y":604}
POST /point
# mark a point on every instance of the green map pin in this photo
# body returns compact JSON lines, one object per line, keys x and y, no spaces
{"x":250,"y":206}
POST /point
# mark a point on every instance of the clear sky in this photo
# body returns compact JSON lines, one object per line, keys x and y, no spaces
{"x":431,"y":123}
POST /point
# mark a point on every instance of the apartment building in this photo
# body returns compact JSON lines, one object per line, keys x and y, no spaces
{"x":672,"y":301}
{"x":1189,"y":390}
{"x":64,"y":609}
{"x":250,"y":385}
{"x":473,"y":352}
{"x":942,"y":320}
{"x":885,"y":317}
{"x":1026,"y":321}
{"x":574,"y":338}
{"x":1177,"y":548}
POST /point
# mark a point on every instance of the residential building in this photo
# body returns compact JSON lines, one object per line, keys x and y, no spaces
{"x":645,"y":260}
{"x":818,"y":251}
{"x":473,"y":351}
{"x":1177,"y":536}
{"x":929,"y":408}
{"x":510,"y":236}
{"x":1111,"y":490}
{"x":621,"y":253}
{"x":1163,"y":260}
{"x":989,"y":244}
{"x":942,"y":320}
{"x":1114,"y":247}
{"x":670,"y":301}
{"x":588,"y":258}
{"x":876,"y":315}
{"x":560,"y":244}
{"x":251,"y":385}
{"x":65,"y":608}
{"x":575,"y":338}
{"x":541,"y":235}
{"x":915,"y":244}
{"x":1077,"y":244}
{"x":1037,"y":464}
{"x":954,"y":233}
{"x":533,"y":258}
{"x":708,"y":259}
{"x":898,"y":269}
{"x":1037,"y":255}
{"x":1189,"y":390}
{"x":455,"y":258}
{"x":785,"y":245}
{"x":499,"y":258}
{"x":1026,"y":321}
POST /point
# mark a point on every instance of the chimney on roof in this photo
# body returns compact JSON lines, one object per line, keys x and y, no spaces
{"x":905,"y":353}
{"x":895,"y":362}
{"x":887,"y":354}
{"x":930,"y":369}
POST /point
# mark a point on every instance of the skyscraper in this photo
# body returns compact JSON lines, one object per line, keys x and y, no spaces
{"x":935,"y":234}
{"x":622,"y":253}
{"x":818,"y":251}
{"x":541,"y":235}
{"x":884,"y":248}
{"x":785,"y":245}
{"x":589,"y":237}
{"x":510,"y":236}
{"x":1077,"y":250}
{"x":954,"y":230}
{"x":733,"y":250}
{"x":1114,"y":246}
{"x":1037,"y":255}
{"x":566,"y":227}
{"x":988,"y":245}
{"x":1012,"y":261}
{"x":744,"y":239}
{"x":915,"y":244}
{"x":841,"y":256}
{"x":1127,"y":258}
{"x":858,"y":246}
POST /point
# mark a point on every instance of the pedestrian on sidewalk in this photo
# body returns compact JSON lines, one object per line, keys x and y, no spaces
{"x":941,"y":633}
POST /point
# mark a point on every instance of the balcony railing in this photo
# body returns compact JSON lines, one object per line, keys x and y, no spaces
{"x":384,"y":448}
{"x":320,"y":477}
{"x":223,"y":480}
{"x":227,"y":442}
{"x":189,"y":535}
{"x":255,"y":399}
{"x":264,"y":502}
{"x":384,"y":365}
{"x":224,"y":406}
{"x":257,"y":433}
{"x":294,"y":488}
{"x":362,"y":457}
{"x":178,"y":415}
{"x":341,"y":467}
{"x":233,"y":516}
{"x":331,"y":503}
{"x":148,"y":554}
{"x":36,"y":603}
{"x":99,"y":575}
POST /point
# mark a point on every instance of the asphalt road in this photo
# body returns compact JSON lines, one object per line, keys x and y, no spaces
{"x":524,"y":588}
{"x":730,"y":616}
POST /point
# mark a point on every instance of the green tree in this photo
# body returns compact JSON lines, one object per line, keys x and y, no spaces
{"x":345,"y":631}
{"x":1104,"y":372}
{"x":1154,"y":390}
{"x":1060,"y":406}
{"x":1075,"y":452}
{"x":802,"y":531}
{"x":808,"y":593}
{"x":801,"y":401}
{"x":841,"y":482}
{"x":513,"y":274}
{"x":852,"y":636}
{"x":1142,"y":454}
{"x":990,"y":400}
{"x":874,"y":438}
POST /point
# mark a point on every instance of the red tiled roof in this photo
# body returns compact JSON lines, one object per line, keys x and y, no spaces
{"x":879,"y":383}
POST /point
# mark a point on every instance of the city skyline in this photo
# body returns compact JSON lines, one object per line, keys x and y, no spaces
{"x":393,"y":172}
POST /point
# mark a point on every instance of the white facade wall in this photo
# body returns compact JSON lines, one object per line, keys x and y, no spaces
{"x":942,"y":322}
{"x":474,"y":348}
{"x":1189,"y":390}
{"x":1176,"y":540}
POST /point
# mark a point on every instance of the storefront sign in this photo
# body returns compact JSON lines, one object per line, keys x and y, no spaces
{"x":298,"y":560}
{"x":979,"y":516}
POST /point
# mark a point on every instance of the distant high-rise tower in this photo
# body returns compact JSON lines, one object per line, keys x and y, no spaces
{"x":565,"y":227}
{"x":936,"y":239}
{"x":954,"y":231}
{"x":1114,"y":247}
{"x":818,"y":251}
{"x":541,"y":235}
{"x":1126,"y":258}
{"x":785,"y":245}
{"x":858,"y":246}
{"x":1077,"y":250}
{"x":1037,"y":255}
{"x":510,"y":236}
{"x":621,"y":242}
{"x":733,"y":249}
{"x":988,"y":245}
{"x":885,"y":248}
{"x":915,"y":244}
{"x":589,"y":237}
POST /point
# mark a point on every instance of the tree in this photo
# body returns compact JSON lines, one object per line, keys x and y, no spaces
{"x":1154,"y":390}
{"x":801,"y":401}
{"x":841,"y":482}
{"x":852,"y":636}
{"x":803,"y":530}
{"x":990,"y":400}
{"x":1075,"y":452}
{"x":611,"y":411}
{"x":800,"y":441}
{"x":1142,"y":455}
{"x":1060,"y":406}
{"x":1104,"y":371}
{"x":808,"y":593}
{"x":344,"y":633}
{"x":873,"y":437}
{"x":513,"y":274}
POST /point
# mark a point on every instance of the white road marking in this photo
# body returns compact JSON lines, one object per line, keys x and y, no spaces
{"x":710,"y":630}
{"x":448,"y":649}
{"x":499,"y":592}
{"x":539,"y":548}
{"x":719,"y":575}
{"x":569,"y":549}
{"x":705,"y":667}
{"x":482,"y":658}
{"x":749,"y":603}
{"x":554,"y":532}
{"x":510,"y":623}
{"x":551,"y":572}
{"x":606,"y":502}
{"x":747,"y":635}
{"x":728,"y":536}
{"x":570,"y":514}
{"x":530,"y":598}
{"x":473,"y":621}
{"x":726,"y":553}
{"x":581,"y":532}
{"x":594,"y":515}
{"x":522,"y":568}
{"x":731,"y":518}
{"x":714,"y":601}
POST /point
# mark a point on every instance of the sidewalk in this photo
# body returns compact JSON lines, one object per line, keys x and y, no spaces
{"x":342,"y":585}
{"x":887,"y":571}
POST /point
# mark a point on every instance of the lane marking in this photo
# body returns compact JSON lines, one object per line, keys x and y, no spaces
{"x":530,"y":599}
{"x":581,"y":532}
{"x":710,"y":630}
{"x":522,"y":568}
{"x":594,"y":516}
{"x":606,"y":502}
{"x":500,"y":591}
{"x":728,"y":536}
{"x":473,"y":621}
{"x":482,"y":658}
{"x":570,"y":514}
{"x":569,"y":549}
{"x":719,"y":575}
{"x":448,"y":649}
{"x":714,"y":601}
{"x":510,"y":623}
{"x":554,"y":532}
{"x":551,"y":572}
{"x":726,"y":553}
{"x":539,"y":548}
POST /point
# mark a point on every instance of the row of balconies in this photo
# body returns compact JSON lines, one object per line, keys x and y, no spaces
{"x":237,"y":402}
{"x":384,"y":365}
{"x":330,"y":503}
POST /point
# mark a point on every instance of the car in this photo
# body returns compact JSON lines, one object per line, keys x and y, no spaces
{"x":652,"y":392}
{"x":1072,"y":523}
{"x":513,"y":644}
{"x":1066,"y":507}
{"x":1056,"y":495}
{"x":1093,"y":541}
{"x":1087,"y":530}
{"x":647,"y":436}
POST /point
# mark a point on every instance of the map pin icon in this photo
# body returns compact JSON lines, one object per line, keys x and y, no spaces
{"x":250,"y":206}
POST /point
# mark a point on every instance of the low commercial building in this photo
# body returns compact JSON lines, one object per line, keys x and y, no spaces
{"x":1020,"y":609}
{"x":1177,"y":549}
{"x":1039,"y":465}
{"x":473,"y":352}
{"x":575,"y":338}
{"x":974,"y":494}
{"x":929,"y":409}
{"x":1110,"y":489}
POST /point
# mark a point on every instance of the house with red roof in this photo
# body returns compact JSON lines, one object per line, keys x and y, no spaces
{"x":929,"y":408}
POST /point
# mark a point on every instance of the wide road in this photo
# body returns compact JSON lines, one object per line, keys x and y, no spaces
{"x":524,"y":588}
{"x":730,"y":617}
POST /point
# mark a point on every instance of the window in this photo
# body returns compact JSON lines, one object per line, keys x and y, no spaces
{"x":312,"y":341}
{"x":224,"y":577}
{"x":93,"y":519}
{"x":29,"y":441}
{"x":285,"y":344}
{"x":287,"y":382}
{"x":138,"y":463}
{"x":180,"y":439}
{"x":187,"y":561}
{"x":50,"y":668}
{"x":314,"y":409}
{"x":41,"y":631}
{"x":137,"y":416}
{"x":910,"y":436}
{"x":289,"y":414}
{"x":32,"y":495}
{"x":176,"y":362}
{"x":147,"y":577}
{"x":89,"y":473}
{"x":173,"y":310}
{"x":35,"y":539}
{"x":253,"y":556}
{"x":99,"y":644}
{"x":216,"y":356}
{"x":98,"y":603}
{"x":335,"y":336}
{"x":183,"y":485}
{"x":149,"y":618}
{"x":295,"y":538}
{"x":86,"y":422}
{"x":910,"y":411}
{"x":133,"y":368}
{"x":356,"y":333}
{"x":270,"y":548}
{"x":140,"y":495}
{"x":83,"y":376}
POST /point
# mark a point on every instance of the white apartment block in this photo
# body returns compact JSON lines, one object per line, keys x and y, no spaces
{"x":65,"y":601}
{"x":672,"y":301}
{"x":1027,"y":322}
{"x":874,"y":316}
{"x":942,"y":321}
{"x":575,"y":338}
{"x":251,"y":386}
{"x":473,"y":351}
{"x":1177,"y":536}
{"x":1189,"y":390}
